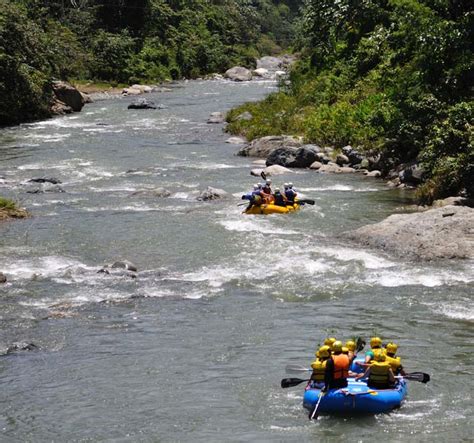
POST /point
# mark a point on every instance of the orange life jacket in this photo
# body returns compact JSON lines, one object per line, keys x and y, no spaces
{"x":341,"y":366}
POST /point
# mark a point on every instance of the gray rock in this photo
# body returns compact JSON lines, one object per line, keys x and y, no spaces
{"x":411,"y":174}
{"x":120,"y":268}
{"x":51,"y":180}
{"x":269,"y":63}
{"x":330,"y":167}
{"x":124,"y":264}
{"x":323,"y":158}
{"x":262,"y":147}
{"x":158,"y":193}
{"x":260,"y":72}
{"x":142,"y":104}
{"x":374,"y":173}
{"x":238,"y":74}
{"x":453,"y":201}
{"x":69,"y":95}
{"x":276,"y":170}
{"x":236,"y":140}
{"x":285,"y":156}
{"x":20,"y":346}
{"x":316,"y":165}
{"x":212,"y":194}
{"x":43,"y":188}
{"x":306,"y":156}
{"x":439,"y":233}
{"x":347,"y":170}
{"x":3,"y":278}
{"x":342,"y":159}
{"x":216,"y":118}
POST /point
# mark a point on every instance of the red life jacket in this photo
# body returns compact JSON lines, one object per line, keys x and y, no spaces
{"x":341,"y":366}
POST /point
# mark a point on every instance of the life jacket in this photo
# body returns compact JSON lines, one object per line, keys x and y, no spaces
{"x":341,"y":366}
{"x":279,"y":200}
{"x":374,"y":352}
{"x":395,"y":364}
{"x":379,"y":373}
{"x":257,"y":200}
{"x":319,"y":368}
{"x":290,"y":195}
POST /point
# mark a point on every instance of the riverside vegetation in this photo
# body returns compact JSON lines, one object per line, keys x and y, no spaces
{"x":128,"y":41}
{"x":392,"y":77}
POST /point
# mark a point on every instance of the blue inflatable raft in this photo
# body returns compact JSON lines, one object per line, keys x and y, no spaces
{"x":356,"y":399}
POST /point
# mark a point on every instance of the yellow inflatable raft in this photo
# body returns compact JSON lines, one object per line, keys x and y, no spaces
{"x":270,"y":208}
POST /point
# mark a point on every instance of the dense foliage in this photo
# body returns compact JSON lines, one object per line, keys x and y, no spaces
{"x":393,"y":77}
{"x":126,"y":41}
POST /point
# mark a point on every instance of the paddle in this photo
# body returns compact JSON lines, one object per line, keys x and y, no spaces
{"x":360,"y":343}
{"x":422,"y":377}
{"x":290,"y":382}
{"x":313,"y":414}
{"x":303,"y":201}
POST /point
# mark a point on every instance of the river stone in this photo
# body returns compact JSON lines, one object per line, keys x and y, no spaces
{"x":142,"y":104}
{"x":143,"y":88}
{"x":306,"y":156}
{"x":236,"y":140}
{"x":3,"y":278}
{"x":20,"y":346}
{"x":453,"y":201}
{"x":269,"y":63}
{"x":211,"y":194}
{"x":411,"y":174}
{"x":315,"y":165}
{"x":330,"y":167}
{"x":342,"y":159}
{"x":216,"y":118}
{"x":284,"y":156}
{"x":158,"y":192}
{"x":238,"y":74}
{"x":68,"y":94}
{"x":439,"y":233}
{"x":277,"y":170}
{"x":374,"y":173}
{"x":262,"y":147}
{"x":347,"y":170}
{"x":51,"y":180}
{"x":260,"y":72}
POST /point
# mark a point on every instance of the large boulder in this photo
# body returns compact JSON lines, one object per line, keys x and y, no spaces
{"x":434,"y":234}
{"x":238,"y":74}
{"x":142,"y":104}
{"x":411,"y":174}
{"x":276,"y":170}
{"x":292,"y":157}
{"x":262,"y":147}
{"x":269,"y":63}
{"x":211,"y":194}
{"x":260,"y":72}
{"x":68,"y":94}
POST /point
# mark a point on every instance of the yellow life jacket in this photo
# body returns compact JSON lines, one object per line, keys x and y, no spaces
{"x":379,"y":372}
{"x":319,"y":368}
{"x":395,"y":363}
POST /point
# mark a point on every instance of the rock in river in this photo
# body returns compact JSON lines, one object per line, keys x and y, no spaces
{"x":216,"y":117}
{"x":439,"y":233}
{"x":3,"y":278}
{"x":238,"y":74}
{"x":211,"y":194}
{"x":142,"y":104}
{"x":262,"y":147}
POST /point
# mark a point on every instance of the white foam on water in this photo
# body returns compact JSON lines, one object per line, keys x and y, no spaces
{"x":39,"y":267}
{"x":252,"y":225}
{"x":181,"y":195}
{"x":51,"y":138}
{"x":462,"y":310}
{"x":339,"y":187}
{"x":370,"y":261}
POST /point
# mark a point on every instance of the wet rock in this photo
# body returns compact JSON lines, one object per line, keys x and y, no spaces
{"x":87,"y":98}
{"x":142,"y":104}
{"x":439,"y":233}
{"x":323,"y":158}
{"x":216,"y":118}
{"x":453,"y":201}
{"x":412,"y":174}
{"x":262,"y":147}
{"x":120,"y":268}
{"x":306,"y":156}
{"x":342,"y":159}
{"x":347,"y":170}
{"x":51,"y":180}
{"x":285,"y":156}
{"x":156,"y":193}
{"x":260,"y":72}
{"x":20,"y":346}
{"x":3,"y":278}
{"x":374,"y":173}
{"x":68,"y":95}
{"x":144,"y":89}
{"x":330,"y":168}
{"x":46,"y":188}
{"x":315,"y":165}
{"x":212,"y":194}
{"x":276,"y":170}
{"x":124,"y":264}
{"x":238,"y":74}
{"x":131,"y":91}
{"x":236,"y":140}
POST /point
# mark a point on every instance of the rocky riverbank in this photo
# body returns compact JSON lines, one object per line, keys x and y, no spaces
{"x":438,"y":233}
{"x":8,"y":213}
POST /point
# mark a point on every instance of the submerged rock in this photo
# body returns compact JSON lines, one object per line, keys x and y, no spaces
{"x":119,"y":268}
{"x":20,"y":346}
{"x":3,"y":278}
{"x":142,"y":104}
{"x":212,"y":194}
{"x":439,"y":233}
{"x":51,"y":180}
{"x":158,"y":193}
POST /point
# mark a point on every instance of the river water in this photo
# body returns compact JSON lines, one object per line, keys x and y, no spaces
{"x":194,"y":348}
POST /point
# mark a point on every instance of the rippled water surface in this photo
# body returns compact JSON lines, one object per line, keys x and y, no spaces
{"x":194,"y":349}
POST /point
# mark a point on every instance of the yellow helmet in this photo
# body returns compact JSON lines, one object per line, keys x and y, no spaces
{"x":380,"y":357}
{"x":345,"y":350}
{"x":350,"y":344}
{"x":391,"y":348}
{"x":375,"y":342}
{"x":337,"y":346}
{"x":324,"y":351}
{"x":329,"y":341}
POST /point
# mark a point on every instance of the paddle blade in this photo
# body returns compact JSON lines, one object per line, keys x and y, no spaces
{"x":418,"y":376}
{"x":296,"y":368}
{"x":308,"y":201}
{"x":263,"y":175}
{"x":360,"y":343}
{"x":289,"y":382}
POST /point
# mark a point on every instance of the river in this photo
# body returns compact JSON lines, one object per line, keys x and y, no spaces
{"x":194,"y":348}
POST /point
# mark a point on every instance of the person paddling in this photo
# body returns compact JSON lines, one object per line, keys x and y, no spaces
{"x":279,"y":198}
{"x":337,"y":369}
{"x":379,"y":374}
{"x":290,"y":193}
{"x":394,"y":362}
{"x":319,"y":367}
